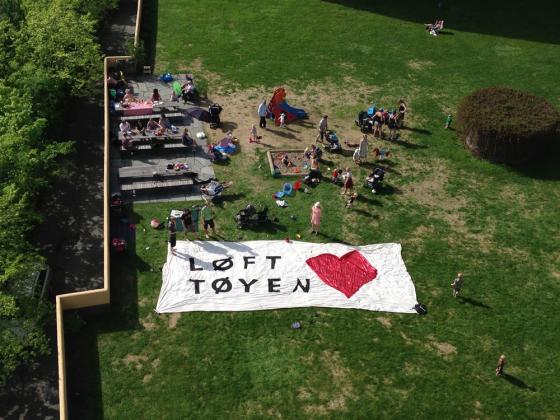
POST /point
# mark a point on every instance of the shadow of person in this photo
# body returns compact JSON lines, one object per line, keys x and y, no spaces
{"x":473,"y":302}
{"x":518,"y":382}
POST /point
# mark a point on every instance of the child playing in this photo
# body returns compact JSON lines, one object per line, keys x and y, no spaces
{"x":351,"y":200}
{"x":253,"y":137}
{"x":282,"y":120}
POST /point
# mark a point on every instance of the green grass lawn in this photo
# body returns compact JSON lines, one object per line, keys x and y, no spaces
{"x":451,"y":212}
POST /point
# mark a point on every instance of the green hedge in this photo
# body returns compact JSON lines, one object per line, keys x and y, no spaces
{"x":506,"y":125}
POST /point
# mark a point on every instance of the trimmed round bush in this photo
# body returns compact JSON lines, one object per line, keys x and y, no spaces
{"x":506,"y":125}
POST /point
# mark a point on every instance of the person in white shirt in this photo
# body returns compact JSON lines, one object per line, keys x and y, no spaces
{"x":262,"y":114}
{"x":282,"y":120}
{"x":323,"y":127}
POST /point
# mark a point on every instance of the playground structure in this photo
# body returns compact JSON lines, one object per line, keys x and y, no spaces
{"x":278,"y":104}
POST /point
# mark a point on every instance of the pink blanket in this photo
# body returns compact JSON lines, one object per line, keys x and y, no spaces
{"x":138,"y":109}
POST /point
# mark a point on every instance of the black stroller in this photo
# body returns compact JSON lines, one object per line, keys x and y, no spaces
{"x":334,"y":144}
{"x":214,"y":111}
{"x":374,"y":180}
{"x":250,"y":217}
{"x":364,"y":122}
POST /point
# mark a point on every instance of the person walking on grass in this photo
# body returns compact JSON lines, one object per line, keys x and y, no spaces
{"x":500,"y":366}
{"x":348,"y":181}
{"x":208,"y":219}
{"x":316,"y":218}
{"x":323,"y":127}
{"x":262,"y":114}
{"x":448,"y":121}
{"x":457,"y":284}
{"x":172,"y":234}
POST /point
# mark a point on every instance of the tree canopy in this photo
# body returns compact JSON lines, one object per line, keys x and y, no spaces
{"x":48,"y":52}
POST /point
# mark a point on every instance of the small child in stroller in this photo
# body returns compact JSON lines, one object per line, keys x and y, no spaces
{"x":374,"y":179}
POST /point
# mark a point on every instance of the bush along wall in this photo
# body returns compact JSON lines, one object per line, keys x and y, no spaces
{"x":507,"y":125}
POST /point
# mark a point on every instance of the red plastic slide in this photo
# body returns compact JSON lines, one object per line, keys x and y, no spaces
{"x":278,"y":104}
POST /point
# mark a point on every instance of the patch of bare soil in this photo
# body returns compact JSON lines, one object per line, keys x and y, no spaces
{"x":386,"y":322}
{"x":136,"y":360}
{"x":420,"y":64}
{"x":173,"y":319}
{"x":444,"y":349}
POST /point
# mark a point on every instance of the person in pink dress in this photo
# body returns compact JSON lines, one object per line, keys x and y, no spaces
{"x":316,"y":218}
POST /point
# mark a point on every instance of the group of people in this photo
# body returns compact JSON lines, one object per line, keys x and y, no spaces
{"x":434,"y":28}
{"x":378,"y":118}
{"x":190,"y":219}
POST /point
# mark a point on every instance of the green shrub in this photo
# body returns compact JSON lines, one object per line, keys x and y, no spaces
{"x":506,"y":125}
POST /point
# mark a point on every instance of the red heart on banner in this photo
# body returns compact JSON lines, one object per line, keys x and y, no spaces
{"x":345,"y":274}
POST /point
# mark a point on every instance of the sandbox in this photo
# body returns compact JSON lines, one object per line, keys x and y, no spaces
{"x":298,"y":164}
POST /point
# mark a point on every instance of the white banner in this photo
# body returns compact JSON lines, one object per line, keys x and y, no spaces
{"x":256,"y":275}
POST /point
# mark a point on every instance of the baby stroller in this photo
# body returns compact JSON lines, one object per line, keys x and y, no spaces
{"x":364,"y":122}
{"x":250,"y":217}
{"x":214,"y":111}
{"x":374,"y":180}
{"x":334,"y":144}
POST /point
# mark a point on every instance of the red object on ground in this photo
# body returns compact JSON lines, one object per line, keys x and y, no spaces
{"x":347,"y":274}
{"x":278,"y":104}
{"x":297,"y":185}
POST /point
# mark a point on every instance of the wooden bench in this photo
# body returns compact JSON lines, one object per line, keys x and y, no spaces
{"x":154,"y":116}
{"x":166,"y":148}
{"x":146,"y":172}
{"x":139,"y":138}
{"x":156,"y":184}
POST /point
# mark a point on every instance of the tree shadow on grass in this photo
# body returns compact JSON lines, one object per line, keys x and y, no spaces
{"x":83,"y":369}
{"x":518,"y":382}
{"x":473,"y":302}
{"x":506,"y":18}
{"x":545,"y":168}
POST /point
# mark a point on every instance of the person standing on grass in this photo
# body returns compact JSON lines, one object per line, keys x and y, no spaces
{"x":253,"y":136}
{"x":262,"y":114}
{"x":363,"y":148}
{"x":187,"y":220}
{"x":316,"y":218}
{"x":348,"y":181}
{"x":282,"y":120}
{"x":323,"y":127}
{"x":500,"y":366}
{"x":402,"y":113}
{"x":356,"y":156}
{"x":172,"y":234}
{"x":457,"y":284}
{"x":448,"y":122}
{"x":208,"y":219}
